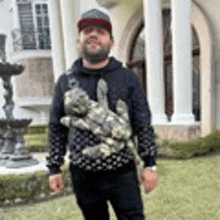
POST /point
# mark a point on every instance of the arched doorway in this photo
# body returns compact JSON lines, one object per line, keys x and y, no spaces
{"x":137,"y":64}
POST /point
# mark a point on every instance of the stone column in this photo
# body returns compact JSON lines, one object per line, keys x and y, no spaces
{"x":15,"y":14}
{"x":154,"y":60}
{"x":56,"y":39}
{"x":182,"y":62}
{"x":69,"y":22}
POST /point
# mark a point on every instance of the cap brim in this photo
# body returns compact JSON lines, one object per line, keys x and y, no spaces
{"x":93,"y":22}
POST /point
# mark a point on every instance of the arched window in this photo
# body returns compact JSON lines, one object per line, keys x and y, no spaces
{"x":137,"y":64}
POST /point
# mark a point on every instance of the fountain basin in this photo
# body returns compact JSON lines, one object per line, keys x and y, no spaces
{"x":19,"y":123}
{"x":41,"y":166}
{"x":7,"y":69}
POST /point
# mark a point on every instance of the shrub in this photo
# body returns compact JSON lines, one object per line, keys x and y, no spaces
{"x":212,"y":142}
{"x":186,"y":149}
{"x":189,"y":148}
{"x":28,"y":187}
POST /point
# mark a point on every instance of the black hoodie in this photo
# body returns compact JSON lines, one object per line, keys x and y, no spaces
{"x":122,"y":84}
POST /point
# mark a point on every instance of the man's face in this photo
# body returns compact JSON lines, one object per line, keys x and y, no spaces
{"x":94,"y":44}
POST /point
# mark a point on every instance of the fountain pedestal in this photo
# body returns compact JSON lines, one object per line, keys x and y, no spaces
{"x":3,"y":130}
{"x":8,"y":147}
{"x":21,"y":156}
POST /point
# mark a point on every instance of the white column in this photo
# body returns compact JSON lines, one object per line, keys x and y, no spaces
{"x":56,"y":39}
{"x":154,"y":60}
{"x":182,"y":62}
{"x":15,"y":14}
{"x":69,"y":21}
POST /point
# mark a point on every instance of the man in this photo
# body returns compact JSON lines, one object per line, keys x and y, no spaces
{"x":114,"y":178}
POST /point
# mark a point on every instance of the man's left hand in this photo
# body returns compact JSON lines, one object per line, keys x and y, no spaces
{"x":149,"y":180}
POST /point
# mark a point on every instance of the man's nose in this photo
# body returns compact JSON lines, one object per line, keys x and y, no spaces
{"x":93,"y":34}
{"x":94,"y":31}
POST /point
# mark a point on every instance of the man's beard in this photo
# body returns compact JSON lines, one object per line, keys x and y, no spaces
{"x":95,"y":57}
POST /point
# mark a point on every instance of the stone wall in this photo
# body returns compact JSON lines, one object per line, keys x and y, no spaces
{"x":177,"y":132}
{"x":37,"y":78}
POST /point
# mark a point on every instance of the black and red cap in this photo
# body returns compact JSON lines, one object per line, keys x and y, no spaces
{"x":95,"y":17}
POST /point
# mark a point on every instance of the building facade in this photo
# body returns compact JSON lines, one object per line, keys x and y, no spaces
{"x":172,"y":45}
{"x":177,"y":58}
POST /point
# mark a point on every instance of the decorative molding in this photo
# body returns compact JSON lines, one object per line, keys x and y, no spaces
{"x":207,"y":97}
{"x":23,"y":1}
{"x":107,"y":3}
{"x":28,"y":102}
{"x":29,"y":54}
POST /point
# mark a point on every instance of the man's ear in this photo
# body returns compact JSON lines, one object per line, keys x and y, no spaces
{"x":112,"y":43}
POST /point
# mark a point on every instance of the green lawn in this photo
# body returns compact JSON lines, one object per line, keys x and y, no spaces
{"x":188,"y":189}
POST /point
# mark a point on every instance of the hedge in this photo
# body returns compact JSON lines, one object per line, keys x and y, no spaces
{"x":28,"y":187}
{"x":37,"y":129}
{"x":37,"y":142}
{"x":191,"y":148}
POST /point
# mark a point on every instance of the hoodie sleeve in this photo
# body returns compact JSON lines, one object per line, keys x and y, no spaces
{"x":57,"y":132}
{"x":141,"y":123}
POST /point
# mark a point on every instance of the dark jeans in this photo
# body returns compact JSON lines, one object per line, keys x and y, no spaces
{"x":93,"y":190}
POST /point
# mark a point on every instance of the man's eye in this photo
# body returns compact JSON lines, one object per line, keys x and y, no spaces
{"x":100,"y":30}
{"x":87,"y":30}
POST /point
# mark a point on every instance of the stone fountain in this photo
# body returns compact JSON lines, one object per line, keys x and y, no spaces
{"x":14,"y":152}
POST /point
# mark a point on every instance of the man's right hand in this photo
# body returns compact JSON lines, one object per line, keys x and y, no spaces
{"x":56,"y":182}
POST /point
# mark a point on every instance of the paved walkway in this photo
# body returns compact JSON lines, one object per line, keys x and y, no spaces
{"x":41,"y":157}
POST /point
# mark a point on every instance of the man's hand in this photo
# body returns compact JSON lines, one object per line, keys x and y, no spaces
{"x":56,"y":182}
{"x":149,"y":180}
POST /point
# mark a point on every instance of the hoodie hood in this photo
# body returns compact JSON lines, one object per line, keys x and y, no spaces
{"x":113,"y":65}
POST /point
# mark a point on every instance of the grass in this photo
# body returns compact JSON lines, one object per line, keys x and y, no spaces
{"x":188,"y":189}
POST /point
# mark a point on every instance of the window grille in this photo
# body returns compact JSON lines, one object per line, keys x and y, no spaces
{"x":34,"y":30}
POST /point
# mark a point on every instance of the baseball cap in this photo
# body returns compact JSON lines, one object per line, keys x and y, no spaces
{"x":95,"y":17}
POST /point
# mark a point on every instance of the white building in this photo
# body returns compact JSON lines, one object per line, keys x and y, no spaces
{"x":177,"y":60}
{"x":30,"y":26}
